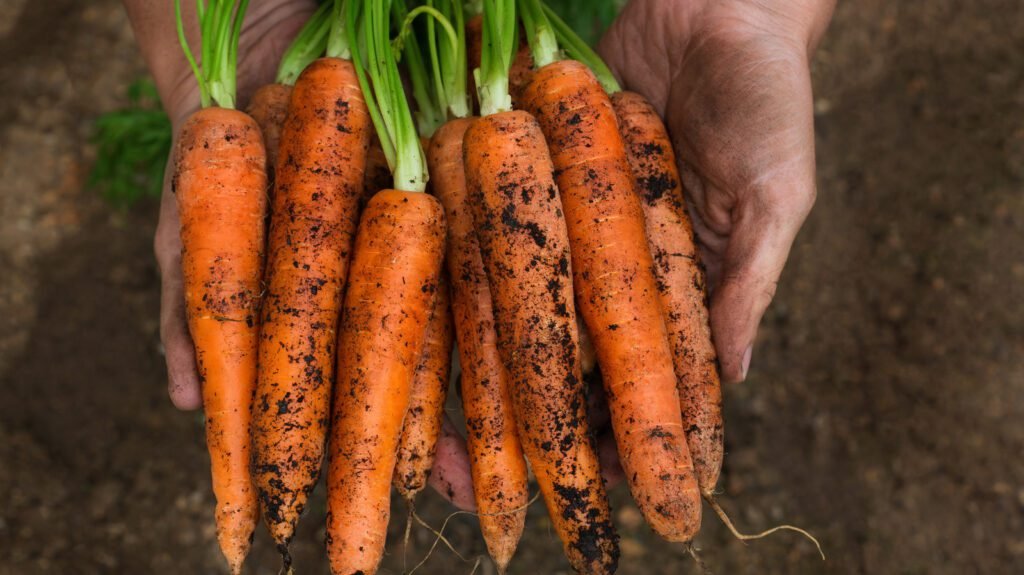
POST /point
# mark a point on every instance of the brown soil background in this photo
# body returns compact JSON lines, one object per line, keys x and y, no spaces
{"x":885,"y":410}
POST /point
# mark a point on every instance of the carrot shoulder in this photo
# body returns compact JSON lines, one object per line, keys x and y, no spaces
{"x":220,"y":186}
{"x":427,"y":396}
{"x":496,"y":456}
{"x":319,"y":182}
{"x":525,"y":249}
{"x":395,"y":269}
{"x":617,"y":294}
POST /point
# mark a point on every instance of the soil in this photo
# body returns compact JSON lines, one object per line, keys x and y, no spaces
{"x":884,"y":412}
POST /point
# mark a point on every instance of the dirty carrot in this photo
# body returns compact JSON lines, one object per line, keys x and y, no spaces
{"x":426,"y":402}
{"x":395,"y":272}
{"x":220,"y":182}
{"x":617,"y":292}
{"x":269,"y":105}
{"x":681,"y":283}
{"x":496,"y":455}
{"x":525,"y":248}
{"x":313,"y":222}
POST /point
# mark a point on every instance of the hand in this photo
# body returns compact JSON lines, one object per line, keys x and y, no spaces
{"x":268,"y":30}
{"x":732,"y":80}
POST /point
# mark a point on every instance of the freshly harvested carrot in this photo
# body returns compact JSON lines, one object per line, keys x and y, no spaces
{"x":617,"y":293}
{"x":500,"y":482}
{"x":220,"y":184}
{"x":524,"y":244}
{"x":269,"y":105}
{"x":320,"y":173}
{"x":681,"y":281}
{"x":520,"y":72}
{"x":426,"y":402}
{"x":525,"y":249}
{"x":396,"y":268}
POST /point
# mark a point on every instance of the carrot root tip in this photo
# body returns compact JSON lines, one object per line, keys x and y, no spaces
{"x":748,"y":537}
{"x":286,"y":560}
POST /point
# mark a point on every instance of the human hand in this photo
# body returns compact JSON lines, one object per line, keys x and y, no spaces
{"x":732,"y":80}
{"x":269,"y":28}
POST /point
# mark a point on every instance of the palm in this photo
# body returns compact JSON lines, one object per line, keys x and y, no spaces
{"x":736,"y":98}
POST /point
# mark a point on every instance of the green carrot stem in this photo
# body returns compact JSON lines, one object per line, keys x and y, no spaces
{"x":308,"y":45}
{"x":338,"y":38}
{"x":579,"y":50}
{"x":220,"y":26}
{"x":499,"y":35}
{"x":377,"y":68}
{"x":539,"y":33}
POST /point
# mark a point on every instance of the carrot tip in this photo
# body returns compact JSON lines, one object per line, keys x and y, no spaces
{"x":286,"y":560}
{"x":748,"y":537}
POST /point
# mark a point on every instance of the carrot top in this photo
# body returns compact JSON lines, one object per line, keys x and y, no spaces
{"x":440,"y":90}
{"x":577,"y":49}
{"x":220,"y":24}
{"x":308,"y":45}
{"x":499,"y":47}
{"x":376,"y":64}
{"x":539,"y":33}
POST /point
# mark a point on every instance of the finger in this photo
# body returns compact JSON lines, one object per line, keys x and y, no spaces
{"x":182,"y":375}
{"x":765,"y":226}
{"x":608,"y":457}
{"x":451,"y":476}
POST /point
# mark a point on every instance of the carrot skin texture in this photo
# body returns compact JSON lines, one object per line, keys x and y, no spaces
{"x":681,"y":282}
{"x":220,"y":186}
{"x":269,"y":107}
{"x":617,"y":294}
{"x":395,"y":273}
{"x":497,"y":464}
{"x":429,"y":391}
{"x":319,"y":183}
{"x":525,"y":249}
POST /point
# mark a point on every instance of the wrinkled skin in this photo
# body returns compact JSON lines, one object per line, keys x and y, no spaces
{"x":730,"y":77}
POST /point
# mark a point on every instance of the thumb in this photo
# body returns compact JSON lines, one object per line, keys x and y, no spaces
{"x":764,"y":226}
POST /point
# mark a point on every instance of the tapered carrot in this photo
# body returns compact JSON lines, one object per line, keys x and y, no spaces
{"x":524,"y":243}
{"x":320,"y":173}
{"x":496,"y":455}
{"x":681,"y":281}
{"x":269,"y":105}
{"x":426,"y":400}
{"x":395,"y":272}
{"x":220,"y":183}
{"x":616,"y":289}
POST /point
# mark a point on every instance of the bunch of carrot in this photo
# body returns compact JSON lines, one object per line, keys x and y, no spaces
{"x":327,"y":328}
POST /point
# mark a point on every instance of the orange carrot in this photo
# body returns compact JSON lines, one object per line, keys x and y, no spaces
{"x":681,"y":281}
{"x":220,"y":183}
{"x":319,"y":182}
{"x":426,"y":402}
{"x":617,"y":293}
{"x":395,"y":269}
{"x":496,"y":456}
{"x":268,"y":107}
{"x":525,"y":248}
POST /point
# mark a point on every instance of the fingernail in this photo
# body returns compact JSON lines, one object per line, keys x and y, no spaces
{"x":745,"y":364}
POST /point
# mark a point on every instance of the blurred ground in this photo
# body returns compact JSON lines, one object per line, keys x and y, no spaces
{"x":885,"y":411}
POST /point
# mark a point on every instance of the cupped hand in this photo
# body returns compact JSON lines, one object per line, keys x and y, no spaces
{"x":269,"y":28}
{"x":732,"y":80}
